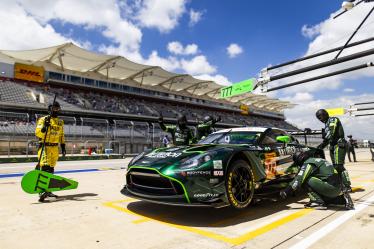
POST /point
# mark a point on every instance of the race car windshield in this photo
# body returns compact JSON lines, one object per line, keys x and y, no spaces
{"x":244,"y":137}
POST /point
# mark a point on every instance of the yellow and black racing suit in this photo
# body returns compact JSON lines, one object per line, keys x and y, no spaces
{"x":55,"y":136}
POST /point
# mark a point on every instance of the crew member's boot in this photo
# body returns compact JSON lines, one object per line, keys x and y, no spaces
{"x":52,"y":195}
{"x":315,"y":201}
{"x":42,"y":196}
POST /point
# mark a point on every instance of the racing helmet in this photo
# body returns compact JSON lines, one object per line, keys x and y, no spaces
{"x":300,"y":157}
{"x":208,"y":119}
{"x":322,"y":115}
{"x":54,"y":109}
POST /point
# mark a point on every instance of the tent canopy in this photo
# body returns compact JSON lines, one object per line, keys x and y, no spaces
{"x":71,"y":57}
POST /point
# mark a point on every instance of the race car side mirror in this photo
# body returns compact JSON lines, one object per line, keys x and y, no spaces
{"x":283,"y":139}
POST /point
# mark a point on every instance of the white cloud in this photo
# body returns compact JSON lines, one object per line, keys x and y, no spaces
{"x":311,"y":32}
{"x":177,"y":48}
{"x":303,"y":115}
{"x":15,"y":19}
{"x":349,"y":90}
{"x":113,"y":19}
{"x":218,"y":78}
{"x":233,"y":50}
{"x":191,"y":49}
{"x":161,"y":14}
{"x":170,"y":63}
{"x":328,"y":34}
{"x":35,"y":16}
{"x":195,"y":17}
{"x":198,"y":65}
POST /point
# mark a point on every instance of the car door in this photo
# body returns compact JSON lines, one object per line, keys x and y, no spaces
{"x":278,"y":155}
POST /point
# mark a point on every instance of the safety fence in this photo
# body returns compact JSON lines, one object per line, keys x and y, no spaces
{"x":82,"y":135}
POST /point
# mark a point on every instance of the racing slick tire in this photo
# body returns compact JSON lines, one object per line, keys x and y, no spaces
{"x":240,"y":184}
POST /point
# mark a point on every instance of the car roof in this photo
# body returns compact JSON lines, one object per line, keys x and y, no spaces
{"x":249,"y":128}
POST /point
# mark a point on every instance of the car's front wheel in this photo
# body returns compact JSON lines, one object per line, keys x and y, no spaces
{"x":240,"y":184}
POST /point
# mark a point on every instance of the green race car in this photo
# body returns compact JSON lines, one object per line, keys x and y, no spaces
{"x":228,"y":167}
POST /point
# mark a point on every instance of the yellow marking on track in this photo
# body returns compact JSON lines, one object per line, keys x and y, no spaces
{"x":141,"y":220}
{"x":212,"y":235}
{"x":123,"y":201}
{"x":253,"y":234}
{"x":372,"y":180}
{"x":358,"y":188}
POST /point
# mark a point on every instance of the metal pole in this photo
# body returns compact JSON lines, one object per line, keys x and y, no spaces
{"x":362,"y":115}
{"x":320,"y":53}
{"x":323,"y":64}
{"x":354,"y":33}
{"x":365,"y":109}
{"x":364,"y":103}
{"x":344,"y":11}
{"x":322,"y":76}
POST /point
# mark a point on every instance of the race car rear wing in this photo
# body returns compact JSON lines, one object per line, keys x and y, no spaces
{"x":308,"y":133}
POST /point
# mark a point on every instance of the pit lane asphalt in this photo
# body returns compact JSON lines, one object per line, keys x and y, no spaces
{"x":96,"y":215}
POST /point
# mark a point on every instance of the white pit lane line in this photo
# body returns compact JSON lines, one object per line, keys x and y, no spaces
{"x":314,"y":237}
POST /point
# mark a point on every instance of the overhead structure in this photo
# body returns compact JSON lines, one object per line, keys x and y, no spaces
{"x":70,"y":57}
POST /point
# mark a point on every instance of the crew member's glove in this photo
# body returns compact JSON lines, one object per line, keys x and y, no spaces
{"x":285,"y":193}
{"x":47,"y":123}
{"x":63,"y":149}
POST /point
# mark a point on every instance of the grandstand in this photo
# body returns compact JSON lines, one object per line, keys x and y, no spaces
{"x":109,"y":101}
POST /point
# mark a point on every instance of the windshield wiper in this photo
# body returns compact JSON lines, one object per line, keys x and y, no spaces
{"x":215,"y":141}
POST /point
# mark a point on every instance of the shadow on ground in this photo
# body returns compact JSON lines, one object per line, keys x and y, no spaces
{"x":76,"y":197}
{"x":210,"y":217}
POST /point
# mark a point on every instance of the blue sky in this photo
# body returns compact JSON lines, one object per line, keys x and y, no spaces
{"x":194,"y":37}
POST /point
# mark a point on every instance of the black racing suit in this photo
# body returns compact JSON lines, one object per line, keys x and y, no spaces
{"x":351,"y":149}
{"x":180,"y":136}
{"x":335,"y":139}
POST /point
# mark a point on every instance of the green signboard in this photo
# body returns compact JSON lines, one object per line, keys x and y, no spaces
{"x":238,"y":88}
{"x":37,"y":181}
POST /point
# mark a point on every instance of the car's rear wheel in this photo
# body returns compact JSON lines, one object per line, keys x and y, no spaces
{"x":240,"y":184}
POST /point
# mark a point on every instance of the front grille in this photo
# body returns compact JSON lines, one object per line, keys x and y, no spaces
{"x":150,"y":182}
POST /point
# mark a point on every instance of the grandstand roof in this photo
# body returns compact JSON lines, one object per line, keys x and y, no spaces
{"x":71,"y":57}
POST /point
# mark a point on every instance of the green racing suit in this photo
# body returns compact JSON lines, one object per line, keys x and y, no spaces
{"x":321,"y":179}
{"x":179,"y":136}
{"x":335,"y":139}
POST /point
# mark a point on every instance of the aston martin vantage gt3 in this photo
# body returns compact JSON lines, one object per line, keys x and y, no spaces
{"x":228,"y":167}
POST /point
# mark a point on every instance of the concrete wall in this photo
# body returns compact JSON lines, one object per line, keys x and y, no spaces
{"x":6,"y":70}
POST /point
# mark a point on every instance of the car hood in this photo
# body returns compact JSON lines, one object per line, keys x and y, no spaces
{"x":165,"y":157}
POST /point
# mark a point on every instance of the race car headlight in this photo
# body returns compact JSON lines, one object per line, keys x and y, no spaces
{"x":136,"y":158}
{"x":195,"y":161}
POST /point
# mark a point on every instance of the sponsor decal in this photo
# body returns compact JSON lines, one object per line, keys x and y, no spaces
{"x":218,"y":173}
{"x":270,"y":168}
{"x":267,"y":148}
{"x":172,"y":149}
{"x":217,"y":164}
{"x":213,"y":180}
{"x":205,"y":195}
{"x":270,"y":155}
{"x":163,"y":155}
{"x":289,"y":150}
{"x":197,"y":173}
{"x":28,"y":72}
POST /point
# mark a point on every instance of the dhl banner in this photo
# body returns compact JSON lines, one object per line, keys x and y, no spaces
{"x":336,"y":111}
{"x":28,"y":72}
{"x":245,"y":109}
